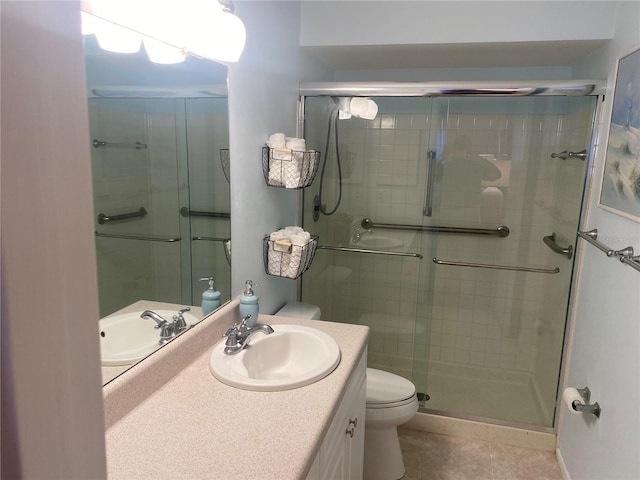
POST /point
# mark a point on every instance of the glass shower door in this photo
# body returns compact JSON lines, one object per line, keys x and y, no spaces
{"x":497,"y":304}
{"x":481,"y":331}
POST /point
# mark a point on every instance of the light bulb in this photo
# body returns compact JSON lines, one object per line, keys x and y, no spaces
{"x":160,"y":52}
{"x":114,"y":38}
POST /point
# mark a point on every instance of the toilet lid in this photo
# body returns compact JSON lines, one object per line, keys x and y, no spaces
{"x":385,"y":387}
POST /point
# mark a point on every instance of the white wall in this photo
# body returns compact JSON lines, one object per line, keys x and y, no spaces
{"x":52,"y":421}
{"x":442,"y":22}
{"x":263,"y":94}
{"x":605,"y":345}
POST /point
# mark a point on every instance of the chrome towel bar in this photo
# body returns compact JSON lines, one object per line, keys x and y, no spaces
{"x":550,"y":241}
{"x":497,"y":267}
{"x":139,"y":237}
{"x":500,"y":231}
{"x":185,"y":212}
{"x":374,"y":252}
{"x":104,"y":218}
{"x":626,"y":255}
{"x":101,"y":143}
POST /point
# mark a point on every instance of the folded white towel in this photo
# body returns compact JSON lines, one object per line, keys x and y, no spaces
{"x":277,"y":140}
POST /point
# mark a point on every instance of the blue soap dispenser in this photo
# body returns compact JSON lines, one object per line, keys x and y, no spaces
{"x":210,"y":297}
{"x":249,"y":304}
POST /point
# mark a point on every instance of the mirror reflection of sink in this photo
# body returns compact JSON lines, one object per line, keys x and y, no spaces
{"x":378,"y":242}
{"x":125,"y":339}
{"x":292,"y":356}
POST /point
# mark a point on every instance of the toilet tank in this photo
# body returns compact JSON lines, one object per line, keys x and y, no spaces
{"x":300,"y":310}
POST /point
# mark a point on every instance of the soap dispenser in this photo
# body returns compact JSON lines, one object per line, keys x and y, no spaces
{"x":249,"y":304}
{"x":210,"y":297}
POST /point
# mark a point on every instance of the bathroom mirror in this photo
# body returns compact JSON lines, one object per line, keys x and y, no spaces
{"x":160,"y":166}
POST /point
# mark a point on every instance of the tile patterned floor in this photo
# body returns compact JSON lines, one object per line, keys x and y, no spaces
{"x":429,"y":456}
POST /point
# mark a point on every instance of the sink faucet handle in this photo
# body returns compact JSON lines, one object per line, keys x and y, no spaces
{"x":181,"y":311}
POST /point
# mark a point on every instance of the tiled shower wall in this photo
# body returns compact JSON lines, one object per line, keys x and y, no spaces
{"x":157,"y":178}
{"x":430,"y":318}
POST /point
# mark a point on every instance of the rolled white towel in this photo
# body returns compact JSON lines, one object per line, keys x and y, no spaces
{"x":277,"y":140}
{"x":281,"y":234}
{"x":297,"y":144}
{"x":294,"y":229}
{"x":300,"y":239}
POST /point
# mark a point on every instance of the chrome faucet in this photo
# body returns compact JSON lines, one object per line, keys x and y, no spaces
{"x":168,"y":330}
{"x":239,"y":335}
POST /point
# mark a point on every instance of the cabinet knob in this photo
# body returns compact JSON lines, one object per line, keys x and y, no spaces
{"x":353,"y":422}
{"x":350,"y":431}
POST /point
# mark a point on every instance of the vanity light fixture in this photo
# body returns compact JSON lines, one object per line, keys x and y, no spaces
{"x":171,"y":29}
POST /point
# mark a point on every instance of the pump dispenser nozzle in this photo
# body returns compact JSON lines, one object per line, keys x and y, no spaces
{"x":210,"y":297}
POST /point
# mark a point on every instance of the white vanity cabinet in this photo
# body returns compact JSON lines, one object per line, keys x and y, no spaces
{"x":342,"y":451}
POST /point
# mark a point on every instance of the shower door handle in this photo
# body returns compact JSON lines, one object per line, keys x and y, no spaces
{"x":428,"y":201}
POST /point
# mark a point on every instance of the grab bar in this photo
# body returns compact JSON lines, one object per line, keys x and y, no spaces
{"x":185,"y":212}
{"x":428,"y":195}
{"x":497,"y":267}
{"x":582,"y":154}
{"x":550,"y":241}
{"x":375,"y":252}
{"x":101,"y":143}
{"x":211,"y":239}
{"x":104,"y":218}
{"x":626,"y":255}
{"x":499,"y":231}
{"x":139,"y":237}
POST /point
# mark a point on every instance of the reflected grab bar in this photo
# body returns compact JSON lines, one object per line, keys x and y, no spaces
{"x":375,"y":252}
{"x":499,"y":231}
{"x":139,"y":237}
{"x":101,"y":143}
{"x":104,"y":218}
{"x":497,"y":267}
{"x":212,"y":239}
{"x":550,"y":241}
{"x":185,"y":212}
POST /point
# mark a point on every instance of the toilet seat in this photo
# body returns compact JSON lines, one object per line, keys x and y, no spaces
{"x":387,"y":390}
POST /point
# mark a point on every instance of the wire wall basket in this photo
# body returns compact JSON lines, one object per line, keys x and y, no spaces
{"x":225,"y":160}
{"x":288,"y":262}
{"x":286,"y":168}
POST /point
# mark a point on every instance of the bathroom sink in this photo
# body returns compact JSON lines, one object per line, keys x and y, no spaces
{"x":125,"y":339}
{"x":379,"y":242}
{"x":292,"y":356}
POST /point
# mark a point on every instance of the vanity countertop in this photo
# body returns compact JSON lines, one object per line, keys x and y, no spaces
{"x":195,"y":427}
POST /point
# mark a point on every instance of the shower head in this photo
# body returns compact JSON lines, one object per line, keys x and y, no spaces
{"x":360,"y":107}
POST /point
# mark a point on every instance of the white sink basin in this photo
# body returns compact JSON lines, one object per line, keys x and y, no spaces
{"x":379,"y":242}
{"x":126,"y":339}
{"x":292,"y":356}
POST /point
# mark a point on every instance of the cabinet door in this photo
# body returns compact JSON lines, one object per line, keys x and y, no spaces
{"x":342,"y":451}
{"x":355,"y":432}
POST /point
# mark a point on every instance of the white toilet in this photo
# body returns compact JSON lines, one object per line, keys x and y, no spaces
{"x":391,"y":401}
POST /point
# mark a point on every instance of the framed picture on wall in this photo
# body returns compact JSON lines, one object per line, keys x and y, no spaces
{"x":620,"y":191}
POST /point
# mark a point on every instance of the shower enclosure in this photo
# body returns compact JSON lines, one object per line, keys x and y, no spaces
{"x":452,"y":242}
{"x":161,"y":198}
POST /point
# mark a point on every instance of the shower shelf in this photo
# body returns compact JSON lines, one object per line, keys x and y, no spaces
{"x":290,"y":263}
{"x":289,"y":168}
